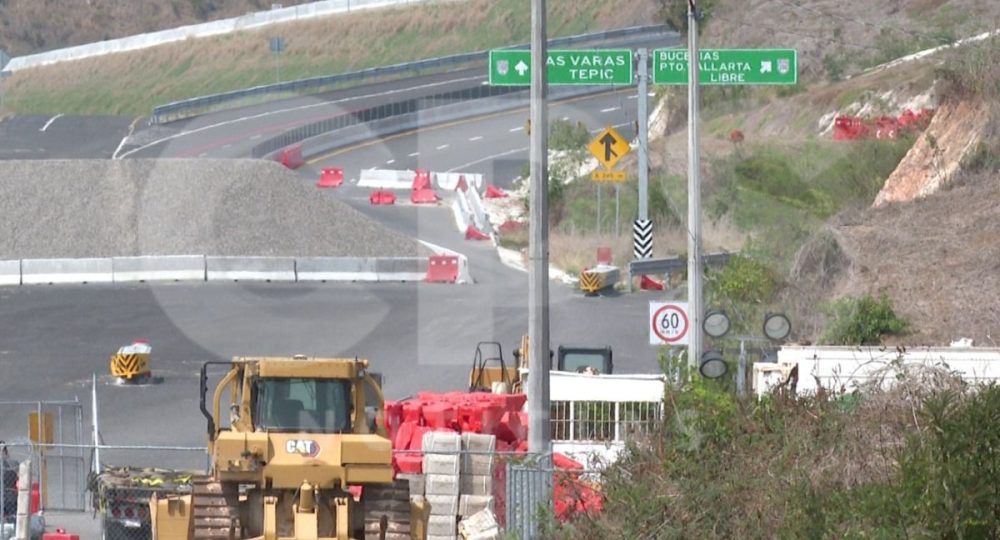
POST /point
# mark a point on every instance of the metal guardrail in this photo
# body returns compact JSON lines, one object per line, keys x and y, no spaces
{"x":380,"y":112}
{"x":191,"y":107}
{"x":665,"y":265}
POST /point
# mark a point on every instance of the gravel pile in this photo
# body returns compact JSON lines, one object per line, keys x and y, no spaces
{"x":102,"y":208}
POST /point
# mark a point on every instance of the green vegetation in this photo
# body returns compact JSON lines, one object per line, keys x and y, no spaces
{"x":133,"y":83}
{"x":779,"y":195}
{"x":916,"y":461}
{"x":568,"y":137}
{"x":973,"y":71}
{"x":862,"y":321}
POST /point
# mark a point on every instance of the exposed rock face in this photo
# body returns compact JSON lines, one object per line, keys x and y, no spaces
{"x":938,"y":154}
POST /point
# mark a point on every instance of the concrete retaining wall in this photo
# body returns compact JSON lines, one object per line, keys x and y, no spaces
{"x":43,"y":271}
{"x":10,"y":272}
{"x":250,"y":268}
{"x":401,"y":269}
{"x":166,"y":268}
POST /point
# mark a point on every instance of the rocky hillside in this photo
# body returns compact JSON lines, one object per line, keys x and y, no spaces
{"x":29,"y":26}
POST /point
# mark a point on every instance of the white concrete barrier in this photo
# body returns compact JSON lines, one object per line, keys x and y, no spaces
{"x":159,"y":268}
{"x":386,"y":179}
{"x":449,"y":180}
{"x":401,"y":268}
{"x":10,"y":272}
{"x":250,"y":268}
{"x":336,"y":269}
{"x":848,"y":368}
{"x":42,"y":271}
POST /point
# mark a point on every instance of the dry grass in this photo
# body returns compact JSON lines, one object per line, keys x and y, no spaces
{"x":574,"y":252}
{"x":132,"y":83}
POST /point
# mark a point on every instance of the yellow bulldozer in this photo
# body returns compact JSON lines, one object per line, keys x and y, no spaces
{"x":300,"y":434}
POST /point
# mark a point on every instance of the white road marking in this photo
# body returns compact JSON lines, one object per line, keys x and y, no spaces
{"x":292,"y":109}
{"x":124,"y":139}
{"x":442,"y":147}
{"x":633,"y":97}
{"x":623,"y":124}
{"x":415,"y":154}
{"x":488,"y":158}
{"x":49,"y":123}
{"x":255,"y":137}
{"x":610,"y":109}
{"x":203,"y":154}
{"x":476,"y":138}
{"x":565,"y":119}
{"x":390,"y":162}
{"x":514,"y":130}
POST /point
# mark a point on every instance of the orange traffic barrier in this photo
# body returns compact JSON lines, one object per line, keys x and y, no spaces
{"x":331,"y":177}
{"x":441,"y":269}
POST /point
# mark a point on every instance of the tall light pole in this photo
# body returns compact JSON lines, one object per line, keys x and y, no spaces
{"x":539,"y":425}
{"x":695,"y":299}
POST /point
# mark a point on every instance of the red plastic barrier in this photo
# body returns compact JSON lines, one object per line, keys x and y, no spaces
{"x":412,"y":411}
{"x":479,"y":417}
{"x":510,"y":226}
{"x":563,"y":462}
{"x":417,"y":442}
{"x":422,"y":180}
{"x":291,"y":156}
{"x":850,"y":128}
{"x":493,"y":192}
{"x":647,"y":283}
{"x":382,"y":198}
{"x":331,"y":177}
{"x":442,"y":269}
{"x":510,"y":428}
{"x":409,"y":463}
{"x":472,"y":233}
{"x":604,"y":255}
{"x":439,"y":415}
{"x":423,"y":196}
{"x":60,"y":534}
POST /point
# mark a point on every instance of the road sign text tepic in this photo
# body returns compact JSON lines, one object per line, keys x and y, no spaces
{"x":597,"y":67}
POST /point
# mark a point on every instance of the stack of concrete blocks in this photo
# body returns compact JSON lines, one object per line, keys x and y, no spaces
{"x":476,"y":489}
{"x":442,"y":468}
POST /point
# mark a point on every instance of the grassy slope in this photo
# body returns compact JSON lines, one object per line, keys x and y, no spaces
{"x":132,"y":83}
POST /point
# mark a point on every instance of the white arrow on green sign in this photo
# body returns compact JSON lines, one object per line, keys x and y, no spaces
{"x":728,"y":66}
{"x":598,"y":67}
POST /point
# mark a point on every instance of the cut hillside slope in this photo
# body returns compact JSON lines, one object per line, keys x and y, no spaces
{"x":104,"y":208}
{"x":31,"y":26}
{"x":134,"y":82}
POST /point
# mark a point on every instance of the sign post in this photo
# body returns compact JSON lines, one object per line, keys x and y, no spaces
{"x":512,"y":67}
{"x":728,"y":66}
{"x":277,"y":47}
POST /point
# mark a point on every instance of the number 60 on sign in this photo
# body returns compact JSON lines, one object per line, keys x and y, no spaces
{"x":668,"y":323}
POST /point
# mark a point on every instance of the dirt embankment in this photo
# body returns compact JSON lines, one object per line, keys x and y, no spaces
{"x":930,"y":244}
{"x":104,"y":208}
{"x":936,"y":158}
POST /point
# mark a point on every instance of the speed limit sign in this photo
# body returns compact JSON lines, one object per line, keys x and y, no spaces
{"x":669,"y":323}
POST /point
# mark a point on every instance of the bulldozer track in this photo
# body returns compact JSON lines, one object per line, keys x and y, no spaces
{"x":391,"y":503}
{"x":216,"y":510}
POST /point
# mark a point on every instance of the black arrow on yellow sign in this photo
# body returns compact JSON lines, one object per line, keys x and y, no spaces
{"x":608,"y":140}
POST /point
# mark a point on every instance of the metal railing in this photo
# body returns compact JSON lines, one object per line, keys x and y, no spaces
{"x":191,"y":107}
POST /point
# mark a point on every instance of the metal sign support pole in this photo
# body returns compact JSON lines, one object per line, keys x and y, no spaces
{"x":643,"y":75}
{"x":539,"y":426}
{"x":694,"y":195}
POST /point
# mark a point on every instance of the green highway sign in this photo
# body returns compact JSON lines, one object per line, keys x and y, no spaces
{"x":598,"y":67}
{"x":728,"y":66}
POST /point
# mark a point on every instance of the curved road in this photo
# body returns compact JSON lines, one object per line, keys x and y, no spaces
{"x":420,"y":336}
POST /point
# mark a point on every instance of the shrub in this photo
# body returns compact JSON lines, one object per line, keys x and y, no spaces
{"x":862,"y":321}
{"x":743,"y":280}
{"x":567,"y":136}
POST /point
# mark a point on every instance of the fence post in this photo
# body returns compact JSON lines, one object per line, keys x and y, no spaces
{"x":22,"y":529}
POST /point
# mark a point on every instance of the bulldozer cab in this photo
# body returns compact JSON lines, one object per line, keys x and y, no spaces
{"x":302,"y":405}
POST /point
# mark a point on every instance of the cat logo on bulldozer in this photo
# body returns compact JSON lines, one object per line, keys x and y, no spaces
{"x":303,"y":447}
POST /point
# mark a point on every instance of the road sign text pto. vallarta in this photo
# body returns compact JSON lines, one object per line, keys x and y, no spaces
{"x":727,"y":66}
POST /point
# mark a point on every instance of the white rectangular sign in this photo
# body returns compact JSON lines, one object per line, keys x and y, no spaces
{"x":669,"y":323}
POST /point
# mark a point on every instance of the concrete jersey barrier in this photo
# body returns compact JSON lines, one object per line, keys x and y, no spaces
{"x":335,"y":269}
{"x":250,"y":268}
{"x":42,"y":271}
{"x":158,"y":268}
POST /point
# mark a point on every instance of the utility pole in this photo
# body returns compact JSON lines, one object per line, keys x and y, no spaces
{"x":539,"y":426}
{"x":643,"y":76}
{"x":695,"y":298}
